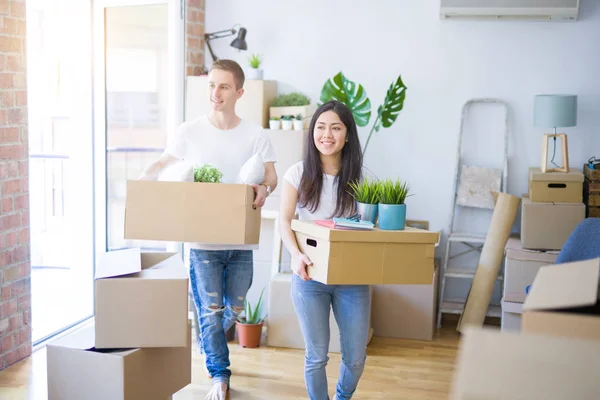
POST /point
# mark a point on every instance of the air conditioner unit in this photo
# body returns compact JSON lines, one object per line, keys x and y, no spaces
{"x":545,"y":10}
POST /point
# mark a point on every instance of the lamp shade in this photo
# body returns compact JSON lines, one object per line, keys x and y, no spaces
{"x":555,"y":110}
{"x":240,"y":41}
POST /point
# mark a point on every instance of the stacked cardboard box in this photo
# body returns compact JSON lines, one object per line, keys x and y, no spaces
{"x":555,"y":356}
{"x":139,"y":346}
{"x":520,"y":268}
{"x":552,"y":210}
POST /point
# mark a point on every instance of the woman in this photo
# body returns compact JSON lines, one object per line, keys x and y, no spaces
{"x":317,"y":188}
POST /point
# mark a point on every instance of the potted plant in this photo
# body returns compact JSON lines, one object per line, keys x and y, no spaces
{"x":366,"y":194}
{"x":249,"y":327}
{"x":286,"y":122}
{"x":298,"y":123}
{"x":292,"y":104}
{"x":392,"y":209}
{"x":207,"y":173}
{"x":255,"y":72}
{"x":274,"y":123}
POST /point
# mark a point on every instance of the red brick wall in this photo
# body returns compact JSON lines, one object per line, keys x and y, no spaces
{"x":194,"y":57}
{"x":15,"y":271}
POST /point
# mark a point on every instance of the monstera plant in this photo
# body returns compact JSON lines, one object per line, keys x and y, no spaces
{"x":354,"y":96}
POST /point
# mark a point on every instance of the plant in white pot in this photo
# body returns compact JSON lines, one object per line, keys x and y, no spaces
{"x":292,"y":104}
{"x":392,"y":207}
{"x":255,"y":72}
{"x":274,"y":123}
{"x":286,"y":122}
{"x":298,"y":123}
{"x":366,"y":194}
{"x":207,"y":173}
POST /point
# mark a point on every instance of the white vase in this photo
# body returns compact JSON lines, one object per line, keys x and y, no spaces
{"x":298,"y":125}
{"x":274,"y":124}
{"x":255,"y":74}
{"x":286,"y":125}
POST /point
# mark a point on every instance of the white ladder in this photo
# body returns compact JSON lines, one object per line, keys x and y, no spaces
{"x":473,"y":241}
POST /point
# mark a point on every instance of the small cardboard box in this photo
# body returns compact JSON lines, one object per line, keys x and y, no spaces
{"x":547,"y":226}
{"x":520,"y":268}
{"x":353,"y":257}
{"x":77,"y":370}
{"x":216,"y":213}
{"x":141,"y":300}
{"x":563,"y":301}
{"x":555,"y":187}
{"x":283,"y":319}
{"x":510,"y":365}
{"x":511,"y":315}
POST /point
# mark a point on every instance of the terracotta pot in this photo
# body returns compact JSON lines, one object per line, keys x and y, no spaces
{"x":249,"y":334}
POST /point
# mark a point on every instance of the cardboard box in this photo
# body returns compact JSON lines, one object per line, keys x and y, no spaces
{"x":563,"y":301}
{"x":511,"y":315}
{"x":547,"y":226}
{"x":520,"y":268}
{"x":141,"y":300}
{"x":283,"y":328}
{"x":77,"y":370}
{"x":217,"y":213}
{"x":556,"y":187}
{"x":406,"y":311}
{"x":350,"y":257}
{"x":508,"y":365}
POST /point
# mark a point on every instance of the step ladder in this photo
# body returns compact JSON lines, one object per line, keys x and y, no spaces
{"x":474,"y":242}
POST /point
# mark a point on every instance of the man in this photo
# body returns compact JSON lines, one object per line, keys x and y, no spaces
{"x":220,"y":275}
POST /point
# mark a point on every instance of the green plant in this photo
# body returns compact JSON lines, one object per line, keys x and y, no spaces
{"x":299,"y":117}
{"x":207,"y":173}
{"x":366,"y":191}
{"x":393,"y":192}
{"x":287,"y":117}
{"x":355,"y":98}
{"x":291,"y":100}
{"x":274,"y":118}
{"x":255,"y":60}
{"x":253,"y":315}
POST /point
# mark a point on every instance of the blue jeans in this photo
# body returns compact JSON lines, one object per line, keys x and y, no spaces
{"x":351,"y":307}
{"x":220,"y":281}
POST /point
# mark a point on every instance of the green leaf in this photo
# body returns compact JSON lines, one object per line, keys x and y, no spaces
{"x":351,"y":94}
{"x":393,"y":103}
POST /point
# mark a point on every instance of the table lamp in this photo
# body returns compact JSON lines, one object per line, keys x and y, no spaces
{"x":555,"y":111}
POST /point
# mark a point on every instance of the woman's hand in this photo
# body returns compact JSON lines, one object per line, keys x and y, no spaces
{"x":299,"y":264}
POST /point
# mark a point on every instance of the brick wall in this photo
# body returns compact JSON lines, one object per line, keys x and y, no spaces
{"x":15,"y":287}
{"x":194,"y":57}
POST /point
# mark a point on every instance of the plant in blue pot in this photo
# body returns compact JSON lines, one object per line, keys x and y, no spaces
{"x":366,"y":194}
{"x":392,"y":207}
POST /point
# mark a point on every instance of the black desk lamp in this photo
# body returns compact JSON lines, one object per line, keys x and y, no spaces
{"x":239,"y":42}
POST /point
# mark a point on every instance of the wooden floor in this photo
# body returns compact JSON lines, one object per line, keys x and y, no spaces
{"x":396,"y":369}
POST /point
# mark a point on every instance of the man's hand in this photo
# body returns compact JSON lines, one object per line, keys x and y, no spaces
{"x":260,"y":195}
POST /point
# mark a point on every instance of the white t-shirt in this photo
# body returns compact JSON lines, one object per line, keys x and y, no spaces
{"x":199,"y":142}
{"x":328,"y":198}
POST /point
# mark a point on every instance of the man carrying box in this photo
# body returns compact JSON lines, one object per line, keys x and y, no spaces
{"x":220,"y":275}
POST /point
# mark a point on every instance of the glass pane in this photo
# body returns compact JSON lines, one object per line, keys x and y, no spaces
{"x":60,"y":164}
{"x":136,"y":105}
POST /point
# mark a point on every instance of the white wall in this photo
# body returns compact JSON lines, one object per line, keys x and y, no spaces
{"x":443,"y":64}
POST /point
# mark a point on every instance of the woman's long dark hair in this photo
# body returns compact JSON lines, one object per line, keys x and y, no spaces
{"x":311,"y":183}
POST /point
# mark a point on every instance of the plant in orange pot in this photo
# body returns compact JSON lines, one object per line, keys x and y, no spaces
{"x":249,"y":327}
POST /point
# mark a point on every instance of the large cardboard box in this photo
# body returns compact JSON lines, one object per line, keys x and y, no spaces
{"x":547,"y":226}
{"x":406,"y":311}
{"x":283,"y":328}
{"x":556,"y":187}
{"x":509,"y":366}
{"x":217,"y":213}
{"x":511,"y":315}
{"x":520,"y":268}
{"x":563,"y":301}
{"x":77,"y":370}
{"x":141,"y":300}
{"x":349,"y":257}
